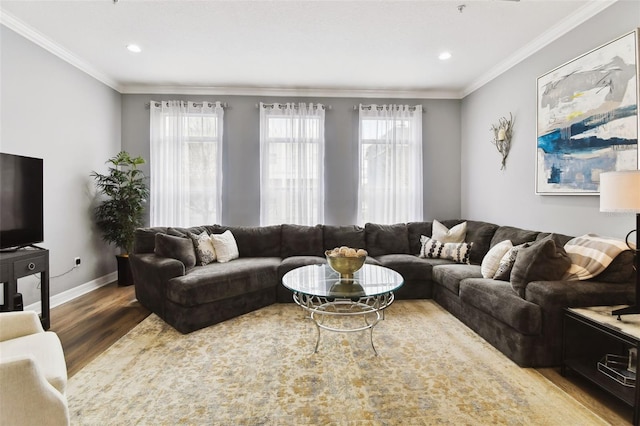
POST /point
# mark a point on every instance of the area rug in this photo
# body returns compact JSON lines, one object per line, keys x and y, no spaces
{"x":260,"y":369}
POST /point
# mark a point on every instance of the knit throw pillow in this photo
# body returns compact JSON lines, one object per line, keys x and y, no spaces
{"x":434,"y":249}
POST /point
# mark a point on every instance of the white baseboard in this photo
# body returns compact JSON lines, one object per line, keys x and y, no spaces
{"x":72,"y":293}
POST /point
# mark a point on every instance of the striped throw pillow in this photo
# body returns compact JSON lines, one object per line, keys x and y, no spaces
{"x":434,"y":249}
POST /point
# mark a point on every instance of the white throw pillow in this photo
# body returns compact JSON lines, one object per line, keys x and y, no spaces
{"x":491,"y":260}
{"x":445,"y":235}
{"x":225,"y":246}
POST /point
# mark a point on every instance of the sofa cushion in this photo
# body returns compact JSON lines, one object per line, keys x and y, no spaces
{"x":218,"y":281}
{"x":496,"y":298}
{"x":386,"y":239}
{"x":145,"y":239}
{"x":416,"y":230}
{"x":337,"y":236}
{"x":542,"y":261}
{"x":516,"y":235}
{"x":480,"y":234}
{"x":257,"y":241}
{"x":407,"y":265}
{"x":179,"y":248}
{"x":301,"y":240}
{"x":450,"y":275}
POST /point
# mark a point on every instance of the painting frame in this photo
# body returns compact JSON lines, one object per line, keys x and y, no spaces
{"x":587,"y":119}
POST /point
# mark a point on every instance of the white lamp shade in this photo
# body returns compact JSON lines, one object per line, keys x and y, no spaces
{"x":620,"y":191}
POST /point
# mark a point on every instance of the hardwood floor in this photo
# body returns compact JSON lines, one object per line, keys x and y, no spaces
{"x":91,"y":323}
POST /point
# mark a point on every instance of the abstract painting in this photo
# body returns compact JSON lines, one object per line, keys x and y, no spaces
{"x":587,"y":119}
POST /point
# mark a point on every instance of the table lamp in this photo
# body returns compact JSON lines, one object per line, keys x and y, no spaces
{"x":620,"y":192}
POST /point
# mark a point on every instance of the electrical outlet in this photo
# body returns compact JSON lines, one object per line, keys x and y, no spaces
{"x":77,"y":261}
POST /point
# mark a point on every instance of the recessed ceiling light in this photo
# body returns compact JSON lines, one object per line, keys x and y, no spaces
{"x":134,"y":48}
{"x":444,"y":56}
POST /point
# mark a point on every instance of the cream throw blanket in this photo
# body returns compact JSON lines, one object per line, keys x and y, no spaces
{"x":590,"y":254}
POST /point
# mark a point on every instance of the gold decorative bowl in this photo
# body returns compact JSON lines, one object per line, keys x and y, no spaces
{"x":345,"y":266}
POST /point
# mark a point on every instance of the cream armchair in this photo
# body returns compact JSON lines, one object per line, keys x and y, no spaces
{"x":33,"y":372}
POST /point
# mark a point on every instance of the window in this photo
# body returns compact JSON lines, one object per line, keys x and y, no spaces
{"x":186,"y":163}
{"x":390,"y":164}
{"x":292,"y":164}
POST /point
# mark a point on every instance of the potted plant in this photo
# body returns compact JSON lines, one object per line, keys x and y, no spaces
{"x":117,"y":216}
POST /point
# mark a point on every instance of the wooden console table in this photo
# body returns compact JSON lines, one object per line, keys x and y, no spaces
{"x":22,"y":263}
{"x":596,"y":345}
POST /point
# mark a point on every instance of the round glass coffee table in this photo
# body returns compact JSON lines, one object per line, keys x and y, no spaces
{"x":320,"y":291}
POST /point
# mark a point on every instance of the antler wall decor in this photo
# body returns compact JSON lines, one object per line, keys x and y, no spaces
{"x":502,"y":137}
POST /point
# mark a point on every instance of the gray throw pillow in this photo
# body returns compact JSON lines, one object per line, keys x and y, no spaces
{"x":179,"y":248}
{"x":542,"y":261}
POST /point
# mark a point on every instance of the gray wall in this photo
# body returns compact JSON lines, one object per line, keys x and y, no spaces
{"x":53,"y":111}
{"x":241,"y":197}
{"x":508,"y":197}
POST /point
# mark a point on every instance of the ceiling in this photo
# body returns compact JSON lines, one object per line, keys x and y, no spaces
{"x":333,"y":48}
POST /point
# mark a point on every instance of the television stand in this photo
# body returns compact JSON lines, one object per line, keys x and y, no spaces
{"x":22,"y":263}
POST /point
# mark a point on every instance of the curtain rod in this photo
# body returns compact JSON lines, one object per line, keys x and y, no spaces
{"x":295,"y":105}
{"x":224,"y":104}
{"x":379,"y":107}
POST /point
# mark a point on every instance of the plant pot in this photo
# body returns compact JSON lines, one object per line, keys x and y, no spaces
{"x":125,"y":276}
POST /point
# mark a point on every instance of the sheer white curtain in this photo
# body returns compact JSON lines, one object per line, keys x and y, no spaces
{"x":185,"y":163}
{"x":390,"y":164}
{"x":291,"y":163}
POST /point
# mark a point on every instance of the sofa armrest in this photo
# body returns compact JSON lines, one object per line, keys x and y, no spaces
{"x":150,"y":276}
{"x":25,"y":391}
{"x":563,"y":294}
{"x":18,"y":324}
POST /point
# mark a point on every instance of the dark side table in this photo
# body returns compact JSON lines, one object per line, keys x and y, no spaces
{"x":22,"y":263}
{"x":603,"y":349}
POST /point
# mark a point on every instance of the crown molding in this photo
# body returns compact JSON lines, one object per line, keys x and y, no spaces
{"x":572,"y":21}
{"x":19,"y":27}
{"x":581,"y":15}
{"x":288,"y":92}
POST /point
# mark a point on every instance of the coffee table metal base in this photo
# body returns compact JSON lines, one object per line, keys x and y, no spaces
{"x":370,"y":308}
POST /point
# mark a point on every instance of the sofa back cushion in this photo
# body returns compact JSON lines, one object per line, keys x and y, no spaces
{"x":416,"y":230}
{"x":387,"y":239}
{"x":620,"y":270}
{"x":301,"y":240}
{"x":480,"y":234}
{"x":559,"y":239}
{"x":517,"y":236}
{"x":145,"y":239}
{"x":256,"y":241}
{"x":348,"y":235}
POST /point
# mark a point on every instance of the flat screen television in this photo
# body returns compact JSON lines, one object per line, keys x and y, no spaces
{"x":21,"y":201}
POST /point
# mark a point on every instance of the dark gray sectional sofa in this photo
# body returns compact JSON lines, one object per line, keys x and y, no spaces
{"x":527,"y":329}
